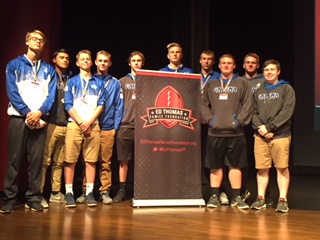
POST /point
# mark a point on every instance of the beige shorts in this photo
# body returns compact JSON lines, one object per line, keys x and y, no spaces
{"x":276,"y":151}
{"x":75,"y":140}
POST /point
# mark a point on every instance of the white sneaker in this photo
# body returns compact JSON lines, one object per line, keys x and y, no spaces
{"x":57,"y":198}
{"x":224,"y":199}
{"x":44,"y":203}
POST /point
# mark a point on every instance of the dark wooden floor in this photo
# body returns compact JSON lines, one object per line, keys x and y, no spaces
{"x":121,"y":221}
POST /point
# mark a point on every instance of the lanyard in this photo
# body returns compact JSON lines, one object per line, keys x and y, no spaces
{"x":132,"y":77}
{"x":205,"y":81}
{"x":225,"y":88}
{"x":86,"y":87}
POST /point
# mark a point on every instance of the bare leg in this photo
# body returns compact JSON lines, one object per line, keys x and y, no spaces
{"x":283,"y":177}
{"x":262,"y":180}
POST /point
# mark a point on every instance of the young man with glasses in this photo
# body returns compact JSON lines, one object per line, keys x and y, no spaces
{"x":31,"y":85}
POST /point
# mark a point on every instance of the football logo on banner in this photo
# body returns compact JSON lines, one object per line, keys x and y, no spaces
{"x":169,"y":111}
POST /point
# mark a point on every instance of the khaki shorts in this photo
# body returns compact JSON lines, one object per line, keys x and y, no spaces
{"x":276,"y":151}
{"x":75,"y":140}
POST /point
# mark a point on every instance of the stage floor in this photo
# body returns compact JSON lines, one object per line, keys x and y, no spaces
{"x":122,"y":221}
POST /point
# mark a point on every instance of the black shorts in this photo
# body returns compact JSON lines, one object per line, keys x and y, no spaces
{"x":234,"y":149}
{"x":125,"y":143}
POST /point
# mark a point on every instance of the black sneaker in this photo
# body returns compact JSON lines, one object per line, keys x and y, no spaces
{"x":120,"y":196}
{"x":7,"y":207}
{"x":213,"y":201}
{"x":70,"y":202}
{"x":259,"y":203}
{"x":239,"y":202}
{"x":91,"y":202}
{"x":282,"y":206}
{"x":33,"y":206}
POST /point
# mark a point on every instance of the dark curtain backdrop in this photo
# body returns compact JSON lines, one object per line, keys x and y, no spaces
{"x":273,"y":29}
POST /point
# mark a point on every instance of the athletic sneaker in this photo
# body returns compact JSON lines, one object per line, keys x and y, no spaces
{"x":90,"y":200}
{"x":120,"y":196}
{"x":239,"y":202}
{"x":33,"y":206}
{"x":259,"y":203}
{"x":57,"y":198}
{"x":223,"y":199}
{"x":70,"y":203}
{"x":7,"y":207}
{"x":44,"y":203}
{"x":82,"y":198}
{"x":213,"y":201}
{"x":105,"y":198}
{"x":282,"y":206}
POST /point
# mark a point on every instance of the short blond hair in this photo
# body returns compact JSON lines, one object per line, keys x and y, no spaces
{"x":174,"y":44}
{"x":83,"y":51}
{"x":103,"y":52}
{"x":28,"y":35}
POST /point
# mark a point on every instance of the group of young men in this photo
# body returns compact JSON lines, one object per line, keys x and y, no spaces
{"x":230,"y":103}
{"x":53,"y":117}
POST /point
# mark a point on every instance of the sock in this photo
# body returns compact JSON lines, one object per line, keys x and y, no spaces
{"x":122,"y":186}
{"x":214,"y":191}
{"x":69,"y":188}
{"x":236,"y":192}
{"x":89,"y":188}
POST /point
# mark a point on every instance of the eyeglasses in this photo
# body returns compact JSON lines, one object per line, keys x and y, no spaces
{"x":248,"y":62}
{"x":35,"y":39}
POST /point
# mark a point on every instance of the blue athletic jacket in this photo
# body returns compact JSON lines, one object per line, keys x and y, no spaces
{"x":84,"y":96}
{"x":181,"y":69}
{"x":30,"y":87}
{"x":111,"y":117}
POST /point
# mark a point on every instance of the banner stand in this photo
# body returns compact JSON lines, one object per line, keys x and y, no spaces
{"x":167,"y":160}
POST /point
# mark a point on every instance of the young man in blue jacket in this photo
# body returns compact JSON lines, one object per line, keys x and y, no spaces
{"x":175,"y":56}
{"x":31,"y":84}
{"x":109,"y":122}
{"x":84,"y":100}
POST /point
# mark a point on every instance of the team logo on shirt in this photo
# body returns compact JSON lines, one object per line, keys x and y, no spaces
{"x":230,"y":89}
{"x":130,"y":86}
{"x":169,"y":111}
{"x":266,"y":97}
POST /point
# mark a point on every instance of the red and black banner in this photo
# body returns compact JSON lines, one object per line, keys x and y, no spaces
{"x":167,"y":139}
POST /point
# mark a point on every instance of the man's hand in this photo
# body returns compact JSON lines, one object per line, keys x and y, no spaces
{"x":262,"y":130}
{"x":269,"y":135}
{"x":33,"y":118}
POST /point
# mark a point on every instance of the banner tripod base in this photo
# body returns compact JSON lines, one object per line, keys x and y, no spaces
{"x":167,"y":202}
